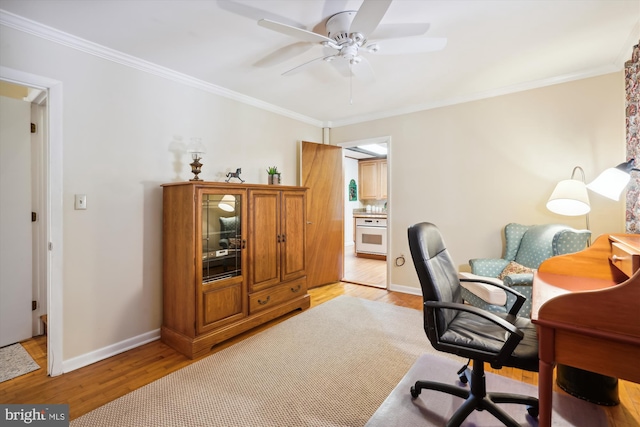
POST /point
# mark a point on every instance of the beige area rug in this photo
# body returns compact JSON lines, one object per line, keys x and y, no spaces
{"x":332,"y":365}
{"x":433,"y":409}
{"x":15,"y":361}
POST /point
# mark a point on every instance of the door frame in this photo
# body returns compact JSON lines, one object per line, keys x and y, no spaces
{"x":52,"y":213}
{"x":380,"y":140}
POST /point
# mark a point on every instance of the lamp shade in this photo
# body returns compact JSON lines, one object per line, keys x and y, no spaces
{"x":196,"y":148}
{"x":610,"y":183}
{"x":569,"y":198}
{"x":227,"y":203}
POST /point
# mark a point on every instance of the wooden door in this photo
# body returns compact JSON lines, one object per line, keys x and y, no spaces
{"x":264,"y":246}
{"x":15,"y":222}
{"x":292,"y":230}
{"x":322,"y":174}
{"x":220,"y":275}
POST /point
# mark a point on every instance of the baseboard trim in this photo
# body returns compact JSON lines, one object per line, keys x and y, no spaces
{"x":405,"y":289}
{"x":108,"y":351}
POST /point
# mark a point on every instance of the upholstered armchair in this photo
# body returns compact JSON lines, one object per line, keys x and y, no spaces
{"x":526,"y":247}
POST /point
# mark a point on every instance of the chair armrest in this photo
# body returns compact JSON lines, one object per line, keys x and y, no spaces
{"x":515,"y":334}
{"x":522,"y":279}
{"x":520,"y":299}
{"x":490,"y":267}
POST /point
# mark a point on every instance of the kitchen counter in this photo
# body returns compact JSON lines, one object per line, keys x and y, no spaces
{"x":369,"y":215}
{"x":361,"y":213}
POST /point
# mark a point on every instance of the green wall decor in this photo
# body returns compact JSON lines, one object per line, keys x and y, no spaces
{"x":353,"y":191}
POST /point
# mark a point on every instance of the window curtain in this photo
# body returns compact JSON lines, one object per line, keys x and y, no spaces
{"x":632,"y":84}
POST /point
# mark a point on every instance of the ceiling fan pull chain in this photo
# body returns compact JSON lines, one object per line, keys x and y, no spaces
{"x":350,"y":83}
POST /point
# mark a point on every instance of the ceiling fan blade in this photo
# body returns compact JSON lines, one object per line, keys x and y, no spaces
{"x":284,"y":53}
{"x":300,"y":67}
{"x":255,"y":13}
{"x":363,"y":71}
{"x":416,"y":44}
{"x":369,"y":16}
{"x":389,"y":31}
{"x":296,"y":32}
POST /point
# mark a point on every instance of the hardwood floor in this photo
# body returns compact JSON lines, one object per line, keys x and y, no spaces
{"x":364,"y":271}
{"x":92,"y":386}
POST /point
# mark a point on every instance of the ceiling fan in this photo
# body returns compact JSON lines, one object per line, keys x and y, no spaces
{"x":350,"y":33}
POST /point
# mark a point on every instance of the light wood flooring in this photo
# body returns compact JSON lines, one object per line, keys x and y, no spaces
{"x":364,"y":271}
{"x":92,"y":386}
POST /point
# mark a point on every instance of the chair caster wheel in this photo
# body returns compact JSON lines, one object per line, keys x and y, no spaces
{"x":414,"y":393}
{"x":533,"y":411}
{"x":463,"y":378}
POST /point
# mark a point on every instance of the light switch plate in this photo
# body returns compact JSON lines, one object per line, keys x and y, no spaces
{"x":81,"y":202}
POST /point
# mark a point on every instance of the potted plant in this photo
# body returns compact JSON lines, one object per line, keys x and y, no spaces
{"x":274,"y":175}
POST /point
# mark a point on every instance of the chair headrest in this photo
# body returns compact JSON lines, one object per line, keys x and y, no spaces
{"x":427,"y":236}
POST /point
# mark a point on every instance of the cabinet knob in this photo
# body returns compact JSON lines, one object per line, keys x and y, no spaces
{"x":261,"y":302}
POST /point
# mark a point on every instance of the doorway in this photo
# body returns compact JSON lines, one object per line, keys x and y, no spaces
{"x":362,"y":265}
{"x":49,"y":199}
{"x":24,"y":243}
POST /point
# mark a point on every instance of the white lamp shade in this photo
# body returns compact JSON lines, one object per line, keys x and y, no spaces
{"x":569,"y":198}
{"x":196,"y":148}
{"x":228,"y":203}
{"x":610,"y":183}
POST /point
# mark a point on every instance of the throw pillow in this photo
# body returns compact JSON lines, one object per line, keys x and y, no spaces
{"x":514,"y":268}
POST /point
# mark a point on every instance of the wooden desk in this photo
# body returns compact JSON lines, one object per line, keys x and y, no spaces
{"x":587,"y":309}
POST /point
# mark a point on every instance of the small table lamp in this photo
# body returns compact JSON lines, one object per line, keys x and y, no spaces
{"x":196,"y":149}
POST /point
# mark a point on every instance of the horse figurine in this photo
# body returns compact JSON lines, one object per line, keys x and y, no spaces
{"x":235,"y":174}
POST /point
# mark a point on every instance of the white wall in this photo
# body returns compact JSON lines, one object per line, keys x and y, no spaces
{"x":474,"y":167}
{"x":118,"y":126}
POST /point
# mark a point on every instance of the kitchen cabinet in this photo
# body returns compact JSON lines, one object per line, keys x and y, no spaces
{"x":373,"y":179}
{"x":232,"y":260}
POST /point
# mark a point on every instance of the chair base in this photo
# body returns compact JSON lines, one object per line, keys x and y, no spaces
{"x":477,"y":398}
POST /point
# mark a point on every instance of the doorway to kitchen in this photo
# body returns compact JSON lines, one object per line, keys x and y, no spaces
{"x":366,"y":211}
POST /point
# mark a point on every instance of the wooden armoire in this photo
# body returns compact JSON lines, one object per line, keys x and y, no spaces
{"x":233,"y":258}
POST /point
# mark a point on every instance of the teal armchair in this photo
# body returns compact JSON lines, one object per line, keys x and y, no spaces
{"x":527,"y":246}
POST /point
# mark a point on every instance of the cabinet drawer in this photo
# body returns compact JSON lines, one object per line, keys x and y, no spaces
{"x":624,"y":258}
{"x":278,"y":294}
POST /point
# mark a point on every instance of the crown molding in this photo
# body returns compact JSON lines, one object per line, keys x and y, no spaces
{"x":43,"y":31}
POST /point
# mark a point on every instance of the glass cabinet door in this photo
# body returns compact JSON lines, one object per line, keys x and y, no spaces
{"x":222,"y":241}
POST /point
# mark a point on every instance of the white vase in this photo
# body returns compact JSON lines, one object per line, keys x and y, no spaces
{"x":274,"y":179}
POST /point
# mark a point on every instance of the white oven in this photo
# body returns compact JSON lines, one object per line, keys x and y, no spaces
{"x":371,"y":235}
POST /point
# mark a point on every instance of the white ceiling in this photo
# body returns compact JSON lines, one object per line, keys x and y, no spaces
{"x":494,"y":47}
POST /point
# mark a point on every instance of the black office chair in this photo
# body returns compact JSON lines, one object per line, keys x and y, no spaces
{"x":453,"y":327}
